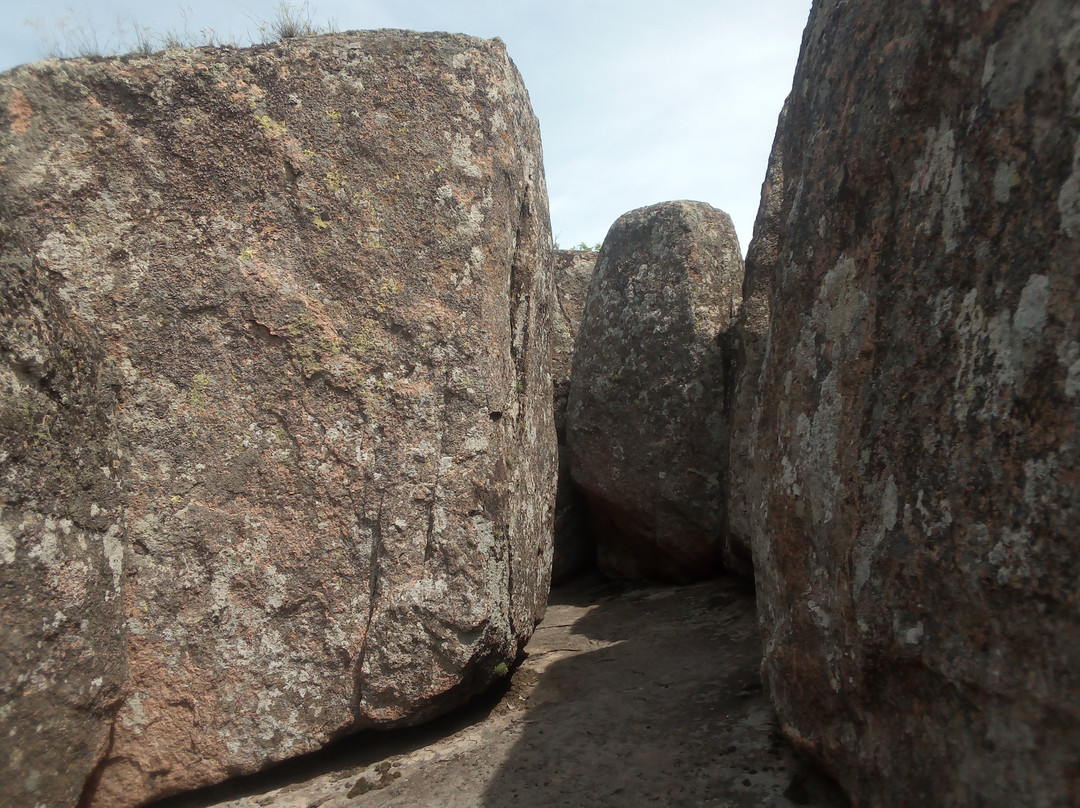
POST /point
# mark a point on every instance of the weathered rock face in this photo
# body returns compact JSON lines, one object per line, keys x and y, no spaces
{"x":749,"y":342}
{"x":645,"y":422}
{"x":276,"y":413}
{"x":574,"y":550}
{"x":914,"y":439}
{"x":63,"y":660}
{"x":573,"y":271}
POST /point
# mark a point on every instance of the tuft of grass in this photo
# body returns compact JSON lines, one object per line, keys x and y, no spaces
{"x":67,"y":36}
{"x":293,"y":20}
{"x":144,"y":39}
{"x":76,"y":36}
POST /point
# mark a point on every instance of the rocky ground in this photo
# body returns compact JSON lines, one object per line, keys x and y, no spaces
{"x":629,"y":696}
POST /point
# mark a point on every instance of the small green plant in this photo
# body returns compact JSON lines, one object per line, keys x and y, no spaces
{"x":501,"y":669}
{"x":583,"y":247}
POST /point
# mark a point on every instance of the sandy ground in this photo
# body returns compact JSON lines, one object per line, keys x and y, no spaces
{"x":629,"y":696}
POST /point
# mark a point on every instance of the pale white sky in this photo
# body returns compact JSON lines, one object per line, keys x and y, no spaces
{"x":639,"y":101}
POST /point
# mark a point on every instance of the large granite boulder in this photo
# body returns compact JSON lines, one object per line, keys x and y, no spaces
{"x":275,"y":404}
{"x":646,"y":424}
{"x":914,"y":437}
{"x":573,"y":547}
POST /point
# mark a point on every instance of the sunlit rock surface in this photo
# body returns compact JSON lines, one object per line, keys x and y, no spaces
{"x":277,"y":442}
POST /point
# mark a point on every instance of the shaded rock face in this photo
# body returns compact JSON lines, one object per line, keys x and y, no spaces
{"x":646,"y":427}
{"x":573,"y":271}
{"x":913,"y":441}
{"x":63,"y":659}
{"x":574,"y":551}
{"x":276,"y":415}
{"x":750,"y":339}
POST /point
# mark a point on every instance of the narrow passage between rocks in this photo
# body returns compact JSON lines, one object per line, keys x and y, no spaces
{"x":630,"y":695}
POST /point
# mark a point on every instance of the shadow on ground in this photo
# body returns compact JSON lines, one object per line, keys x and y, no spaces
{"x":666,"y":709}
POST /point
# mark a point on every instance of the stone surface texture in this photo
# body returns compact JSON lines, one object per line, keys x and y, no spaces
{"x":913,"y":441}
{"x":574,"y":550}
{"x":275,"y":404}
{"x":749,"y":341}
{"x":646,"y":422}
{"x":63,"y":660}
{"x":573,"y":270}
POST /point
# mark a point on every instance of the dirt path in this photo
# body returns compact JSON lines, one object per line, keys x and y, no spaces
{"x":629,"y":696}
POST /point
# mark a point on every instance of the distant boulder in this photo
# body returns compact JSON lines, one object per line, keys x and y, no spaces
{"x":646,"y":425}
{"x":275,"y":403}
{"x":749,"y":343}
{"x":573,"y":271}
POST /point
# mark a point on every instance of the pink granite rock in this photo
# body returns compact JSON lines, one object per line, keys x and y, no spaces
{"x":911,"y":451}
{"x":277,"y":437}
{"x":646,"y":426}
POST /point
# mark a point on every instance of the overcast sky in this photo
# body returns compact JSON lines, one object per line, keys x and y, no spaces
{"x":639,"y":101}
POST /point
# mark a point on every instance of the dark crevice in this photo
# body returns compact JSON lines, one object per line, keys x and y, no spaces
{"x":327,"y":381}
{"x":373,"y":587}
{"x":32,"y":376}
{"x":94,"y":779}
{"x":263,"y":333}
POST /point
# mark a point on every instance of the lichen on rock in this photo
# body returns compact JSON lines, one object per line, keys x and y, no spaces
{"x":647,"y":430}
{"x":906,"y":427}
{"x":279,"y":326}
